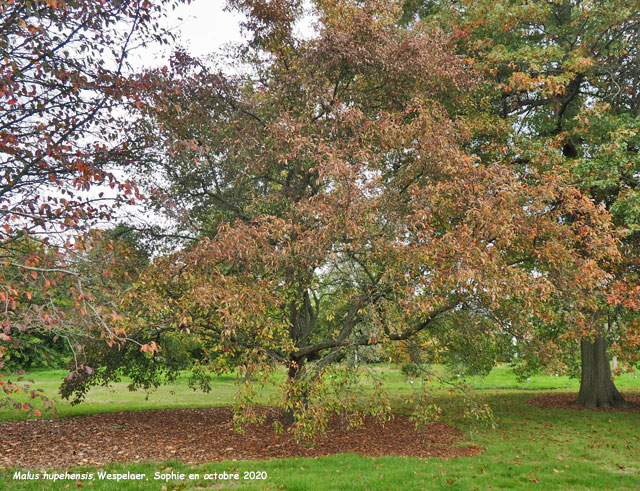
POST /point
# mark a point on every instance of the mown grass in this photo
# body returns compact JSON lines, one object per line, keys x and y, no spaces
{"x":118,"y":398}
{"x":531,"y":448}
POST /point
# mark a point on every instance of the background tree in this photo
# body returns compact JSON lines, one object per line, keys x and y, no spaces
{"x":62,"y":80}
{"x":562,"y":91}
{"x":30,"y":343}
{"x":335,"y":207}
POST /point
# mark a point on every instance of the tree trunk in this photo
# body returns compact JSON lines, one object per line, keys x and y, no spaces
{"x":596,"y":383}
{"x":294,"y":393}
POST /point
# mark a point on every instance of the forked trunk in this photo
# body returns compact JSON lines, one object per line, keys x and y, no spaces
{"x":596,"y":383}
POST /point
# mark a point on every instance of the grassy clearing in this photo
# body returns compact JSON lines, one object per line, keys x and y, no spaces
{"x":531,"y":447}
{"x":178,"y":395}
{"x":117,"y":397}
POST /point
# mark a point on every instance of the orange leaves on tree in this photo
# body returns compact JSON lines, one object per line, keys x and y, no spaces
{"x":342,"y":206}
{"x":58,"y":125}
{"x":151,"y":347}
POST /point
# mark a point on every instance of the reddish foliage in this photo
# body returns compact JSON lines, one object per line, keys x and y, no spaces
{"x":62,"y":83}
{"x":336,"y":205}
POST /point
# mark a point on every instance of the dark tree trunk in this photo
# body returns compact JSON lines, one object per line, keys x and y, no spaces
{"x":596,"y":384}
{"x":295,"y":393}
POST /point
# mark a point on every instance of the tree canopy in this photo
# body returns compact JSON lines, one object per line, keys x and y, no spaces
{"x":63,"y":90}
{"x":561,"y":87}
{"x":336,"y":202}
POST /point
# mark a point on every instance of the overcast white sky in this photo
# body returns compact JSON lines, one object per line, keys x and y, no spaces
{"x":203,"y":26}
{"x":206,"y":26}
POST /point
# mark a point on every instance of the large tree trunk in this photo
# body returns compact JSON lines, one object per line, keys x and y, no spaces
{"x":596,"y":384}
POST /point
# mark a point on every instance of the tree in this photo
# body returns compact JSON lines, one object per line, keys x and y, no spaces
{"x":562,"y":91}
{"x":335,"y":206}
{"x":62,"y":81}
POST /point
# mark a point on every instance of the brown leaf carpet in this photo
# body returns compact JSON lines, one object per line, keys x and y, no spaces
{"x":204,"y":435}
{"x":567,"y":400}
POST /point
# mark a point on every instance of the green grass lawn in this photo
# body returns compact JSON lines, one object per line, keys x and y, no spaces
{"x":530,"y":447}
